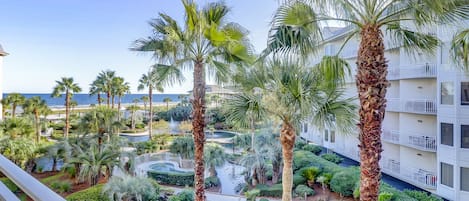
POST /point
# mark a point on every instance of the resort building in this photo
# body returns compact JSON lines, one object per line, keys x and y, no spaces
{"x":426,"y":127}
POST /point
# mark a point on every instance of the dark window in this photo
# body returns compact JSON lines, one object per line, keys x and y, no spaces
{"x":447,"y":174}
{"x":464,"y":179}
{"x":464,"y":136}
{"x":446,"y":134}
{"x":464,"y":93}
{"x":332,"y":136}
{"x":326,"y":135}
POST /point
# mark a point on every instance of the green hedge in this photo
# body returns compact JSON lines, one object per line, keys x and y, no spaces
{"x":301,"y":190}
{"x":212,"y":182}
{"x":90,"y":194}
{"x":421,"y":196}
{"x":312,"y":148}
{"x":272,"y":191}
{"x":332,"y":158}
{"x":178,"y":179}
{"x":303,"y":159}
{"x":345,"y":182}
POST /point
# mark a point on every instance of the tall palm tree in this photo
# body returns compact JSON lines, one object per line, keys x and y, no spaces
{"x":96,"y":88}
{"x":120,"y":88}
{"x":292,"y":93}
{"x":214,"y":156}
{"x":36,"y":106}
{"x":66,"y":85}
{"x":150,"y":81}
{"x":103,"y":83}
{"x":297,"y":29}
{"x":100,"y":120}
{"x":145,"y":100}
{"x":167,"y":100}
{"x":133,"y":109}
{"x":15,"y":99}
{"x":206,"y":41}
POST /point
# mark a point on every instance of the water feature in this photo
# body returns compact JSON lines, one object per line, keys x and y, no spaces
{"x":45,"y":164}
{"x":173,"y":126}
{"x":219,"y":134}
{"x":230,"y":176}
{"x":136,"y":138}
{"x":166,"y":167}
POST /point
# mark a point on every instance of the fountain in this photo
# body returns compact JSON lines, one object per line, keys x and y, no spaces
{"x":172,"y":126}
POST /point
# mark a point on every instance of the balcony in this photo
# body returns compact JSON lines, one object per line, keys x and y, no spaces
{"x":408,"y":72}
{"x":418,"y":106}
{"x":391,"y":165}
{"x":391,"y":136}
{"x":28,"y":184}
{"x":420,"y":177}
{"x":424,"y":143}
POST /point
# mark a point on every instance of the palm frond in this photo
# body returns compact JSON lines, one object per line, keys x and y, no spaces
{"x":412,"y":41}
{"x":460,"y":49}
{"x":243,"y":108}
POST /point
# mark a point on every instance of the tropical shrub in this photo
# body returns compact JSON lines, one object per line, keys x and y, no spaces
{"x":421,"y":196}
{"x":183,"y":146}
{"x":333,"y":158}
{"x":344,"y":182}
{"x":298,"y":179}
{"x":324,"y":179}
{"x":252,"y":194}
{"x":310,"y":174}
{"x":185,"y":195}
{"x":385,"y":196}
{"x":300,"y":143}
{"x":272,"y":191}
{"x":171,"y":178}
{"x":61,"y":186}
{"x":132,"y":188}
{"x":312,"y":148}
{"x":212,"y":182}
{"x":93,"y":193}
{"x":302,"y":190}
{"x":307,"y":159}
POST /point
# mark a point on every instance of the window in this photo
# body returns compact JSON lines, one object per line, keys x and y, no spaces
{"x":447,"y":174}
{"x":326,"y":135}
{"x":447,"y":93}
{"x":446,"y":134}
{"x":464,"y":93}
{"x":465,"y":136}
{"x":464,"y":179}
{"x":332,"y":136}
{"x":305,"y":127}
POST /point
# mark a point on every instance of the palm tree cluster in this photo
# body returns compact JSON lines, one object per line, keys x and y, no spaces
{"x":112,"y":86}
{"x":66,"y":86}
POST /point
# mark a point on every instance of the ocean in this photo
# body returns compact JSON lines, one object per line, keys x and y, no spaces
{"x":86,"y":99}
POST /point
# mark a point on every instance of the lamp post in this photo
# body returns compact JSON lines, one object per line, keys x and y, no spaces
{"x":2,"y":54}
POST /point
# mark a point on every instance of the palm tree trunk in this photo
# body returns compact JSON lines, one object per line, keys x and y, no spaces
{"x":275,"y":171}
{"x":287,"y":139}
{"x":38,"y":131}
{"x":13,"y":110}
{"x":132,"y":120}
{"x":112,"y":100}
{"x":213,"y":171}
{"x":119,"y":108}
{"x":198,"y":124}
{"x":67,"y":107}
{"x":150,"y":114}
{"x":54,"y":164}
{"x":252,"y":135}
{"x":371,"y":84}
{"x":108,"y":95}
{"x":99,"y":99}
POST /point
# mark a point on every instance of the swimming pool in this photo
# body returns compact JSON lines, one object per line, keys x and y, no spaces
{"x":166,"y":167}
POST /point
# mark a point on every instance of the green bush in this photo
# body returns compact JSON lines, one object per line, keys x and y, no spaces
{"x":301,"y":190}
{"x":385,"y":196}
{"x":61,"y":186}
{"x":263,"y":199}
{"x":310,"y":173}
{"x":139,"y":125}
{"x":307,"y":159}
{"x":185,"y":195}
{"x":300,"y":143}
{"x":90,"y":194}
{"x":298,"y":179}
{"x":397,"y":195}
{"x":10,"y":185}
{"x":178,"y":179}
{"x":333,"y":158}
{"x":421,"y":196}
{"x":312,"y":148}
{"x":252,"y":194}
{"x":325,"y":179}
{"x":272,"y":191}
{"x":344,"y":182}
{"x":212,"y":182}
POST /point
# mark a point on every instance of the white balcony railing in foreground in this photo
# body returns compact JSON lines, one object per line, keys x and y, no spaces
{"x":27,"y":183}
{"x":424,"y":178}
{"x":390,"y":136}
{"x":425,"y":143}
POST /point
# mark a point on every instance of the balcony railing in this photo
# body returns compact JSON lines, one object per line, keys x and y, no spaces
{"x":390,"y":136}
{"x":425,"y":143}
{"x":27,"y":183}
{"x":419,"y":106}
{"x":418,"y":71}
{"x":424,"y":178}
{"x":391,"y":165}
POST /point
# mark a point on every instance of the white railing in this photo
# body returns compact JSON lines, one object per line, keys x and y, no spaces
{"x":417,"y":71}
{"x":421,"y":106}
{"x":27,"y":183}
{"x":425,"y":143}
{"x":390,"y":136}
{"x":392,"y":165}
{"x":423,"y":178}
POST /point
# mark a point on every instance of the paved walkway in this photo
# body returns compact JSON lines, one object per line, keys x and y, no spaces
{"x":218,"y":197}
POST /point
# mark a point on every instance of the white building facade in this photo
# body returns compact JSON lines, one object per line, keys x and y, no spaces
{"x":426,"y":126}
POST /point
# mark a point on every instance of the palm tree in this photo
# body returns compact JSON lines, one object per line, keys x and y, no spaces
{"x":145,"y":100}
{"x":96,"y":88}
{"x":67,"y":86}
{"x":36,"y":106}
{"x":214,"y":156}
{"x":167,"y":100}
{"x":100,"y":120}
{"x":93,"y":160}
{"x":120,"y":88}
{"x":292,"y":93}
{"x":297,"y":29}
{"x":133,"y":109}
{"x":184,"y":146}
{"x":5,"y":105}
{"x":103,"y":83}
{"x":460,"y":48}
{"x":206,"y":41}
{"x":150,"y":81}
{"x":15,"y":99}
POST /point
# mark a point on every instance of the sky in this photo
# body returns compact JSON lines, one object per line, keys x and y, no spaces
{"x":50,"y":39}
